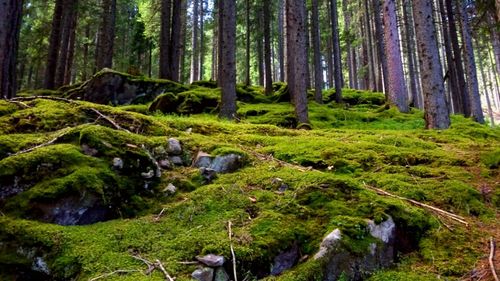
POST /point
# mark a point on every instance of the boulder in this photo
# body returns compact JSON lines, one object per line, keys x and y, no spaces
{"x":211,"y":260}
{"x":285,"y":260}
{"x":174,"y":147}
{"x":208,"y":174}
{"x":189,"y":102}
{"x":202,"y":159}
{"x":227,"y":163}
{"x":112,"y":87}
{"x":203,"y":274}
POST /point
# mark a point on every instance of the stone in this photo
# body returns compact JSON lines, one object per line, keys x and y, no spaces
{"x":202,"y":159}
{"x":40,"y":265}
{"x":176,"y":160}
{"x":211,"y":260}
{"x":170,"y":189}
{"x":328,"y":243}
{"x":203,"y":274}
{"x":279,"y":184}
{"x":149,"y":175}
{"x":385,"y":231}
{"x":221,"y":274}
{"x":165,"y":164}
{"x":174,"y":147}
{"x":87,"y":150}
{"x":208,"y":174}
{"x":227,"y":163}
{"x":285,"y":260}
{"x":117,"y":163}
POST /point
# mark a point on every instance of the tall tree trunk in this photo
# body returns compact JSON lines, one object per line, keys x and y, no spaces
{"x":183,"y":41}
{"x":348,"y":41}
{"x":381,"y":45}
{"x":369,"y":36}
{"x":85,"y":56}
{"x":227,"y":65}
{"x":485,"y":86}
{"x":106,"y":40}
{"x":329,"y":62}
{"x":436,"y":111}
{"x":201,"y":49}
{"x":281,"y":47}
{"x":71,"y":48}
{"x":10,"y":23}
{"x":67,"y":29}
{"x":397,"y":86}
{"x":410,"y":47}
{"x":337,"y":56}
{"x":470,"y":65}
{"x":54,"y":45}
{"x":165,"y":31}
{"x":260,"y":58}
{"x":495,"y":41}
{"x":318,"y":73}
{"x":267,"y":47}
{"x":247,"y":43}
{"x":308,"y":47}
{"x":195,"y":59}
{"x":215,"y":40}
{"x":176,"y":41}
{"x":296,"y":57}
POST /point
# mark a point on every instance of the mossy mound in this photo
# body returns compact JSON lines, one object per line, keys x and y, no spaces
{"x":296,"y":187}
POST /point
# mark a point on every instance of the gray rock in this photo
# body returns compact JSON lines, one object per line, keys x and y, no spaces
{"x":170,"y":189}
{"x":87,"y":150}
{"x":221,"y":274}
{"x":385,"y":231}
{"x":208,"y":174}
{"x":117,"y":163}
{"x":150,"y":174}
{"x":176,"y":160}
{"x":211,"y":260}
{"x":202,"y":159}
{"x":174,"y":147}
{"x":227,"y":163}
{"x":328,"y":243}
{"x":285,"y":260}
{"x":165,"y":164}
{"x":40,"y":265}
{"x":203,"y":274}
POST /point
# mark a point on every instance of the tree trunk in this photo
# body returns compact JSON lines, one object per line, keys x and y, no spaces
{"x":281,"y":47}
{"x":470,"y":65}
{"x":71,"y":49}
{"x":175,"y":41}
{"x":247,"y":43}
{"x":348,"y":41}
{"x":267,"y":47}
{"x":106,"y":39}
{"x":260,"y":58}
{"x":215,"y":40}
{"x":436,"y":111}
{"x":70,"y":9}
{"x":195,"y":62}
{"x":485,"y":86}
{"x":329,"y":62}
{"x":396,"y":80}
{"x":336,"y":52}
{"x":227,"y":64}
{"x":201,"y":48}
{"x":10,"y":24}
{"x":318,"y":73}
{"x":495,"y":41}
{"x":165,"y":31}
{"x":369,"y":36}
{"x":54,"y":45}
{"x":381,"y":46}
{"x":296,"y":57}
{"x":410,"y":48}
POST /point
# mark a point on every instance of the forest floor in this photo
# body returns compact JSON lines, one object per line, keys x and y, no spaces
{"x":291,"y":187}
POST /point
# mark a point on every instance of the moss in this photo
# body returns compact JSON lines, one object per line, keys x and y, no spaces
{"x":491,"y":159}
{"x":40,"y":92}
{"x":402,"y":276}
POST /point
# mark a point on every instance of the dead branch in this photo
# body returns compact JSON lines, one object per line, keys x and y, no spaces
{"x":491,"y":259}
{"x":151,"y":266}
{"x":19,"y":104}
{"x":118,"y":127}
{"x":114,"y":272}
{"x":160,"y":265}
{"x":443,"y":213}
{"x":232,"y":249}
{"x":52,"y":141}
{"x":158,"y":217}
{"x":42,"y":97}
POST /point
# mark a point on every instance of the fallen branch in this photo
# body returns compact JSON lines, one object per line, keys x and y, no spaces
{"x":232,"y":249}
{"x":114,"y":272}
{"x":491,"y":259}
{"x":52,"y":141}
{"x":118,"y":127}
{"x":160,"y":265}
{"x":269,"y":157}
{"x":150,"y":265}
{"x":19,"y":104}
{"x":158,"y":217}
{"x":443,"y":213}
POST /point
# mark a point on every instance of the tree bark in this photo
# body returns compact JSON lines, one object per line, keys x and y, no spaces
{"x":267,"y":47}
{"x":54,"y":45}
{"x":436,"y":111}
{"x":10,"y":23}
{"x":337,"y":56}
{"x":106,"y":39}
{"x":247,"y":43}
{"x":68,"y":24}
{"x":410,"y":48}
{"x":195,"y":59}
{"x":281,"y":47}
{"x":296,"y":57}
{"x":371,"y":56}
{"x":396,"y":79}
{"x":470,"y":65}
{"x":381,"y":46}
{"x":318,"y":73}
{"x":176,"y":41}
{"x":165,"y":40}
{"x":227,"y":64}
{"x":348,"y":41}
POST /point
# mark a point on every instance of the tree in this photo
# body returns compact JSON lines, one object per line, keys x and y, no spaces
{"x":68,"y":29}
{"x":106,"y":37}
{"x":54,"y":45}
{"x":336,"y":52}
{"x":296,"y":57}
{"x":267,"y":47}
{"x":227,"y":63}
{"x":195,"y":59}
{"x":436,"y":111}
{"x":318,"y":73}
{"x":10,"y":21}
{"x":396,"y":82}
{"x":165,"y":42}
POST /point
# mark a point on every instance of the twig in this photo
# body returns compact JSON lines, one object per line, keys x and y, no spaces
{"x":52,"y":141}
{"x":188,"y":262}
{"x":425,"y":206}
{"x":160,"y":265}
{"x":118,"y":127}
{"x":151,"y":266}
{"x":491,"y":258}
{"x":19,"y":103}
{"x":158,"y":217}
{"x":114,"y":272}
{"x":232,"y":249}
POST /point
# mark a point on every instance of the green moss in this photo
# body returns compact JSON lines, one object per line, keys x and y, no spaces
{"x":402,"y":276}
{"x":491,"y":159}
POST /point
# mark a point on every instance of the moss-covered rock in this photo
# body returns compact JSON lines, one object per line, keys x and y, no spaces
{"x":198,"y":100}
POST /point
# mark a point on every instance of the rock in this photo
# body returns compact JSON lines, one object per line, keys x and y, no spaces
{"x":278,"y":183}
{"x":203,"y":274}
{"x":221,"y":274}
{"x":385,"y":231}
{"x":165,"y":164}
{"x":211,"y":260}
{"x":149,"y":175}
{"x":208,"y":174}
{"x":87,"y":150}
{"x":202,"y":159}
{"x":117,"y":163}
{"x":227,"y":163}
{"x":40,"y":265}
{"x":170,"y":189}
{"x":328,"y":243}
{"x":285,"y":260}
{"x":174,"y":147}
{"x":176,"y":160}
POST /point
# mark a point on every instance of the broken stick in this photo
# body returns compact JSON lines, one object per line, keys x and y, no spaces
{"x":232,"y":250}
{"x":491,"y":259}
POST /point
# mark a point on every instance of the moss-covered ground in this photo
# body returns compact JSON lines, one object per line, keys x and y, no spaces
{"x":326,"y":171}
